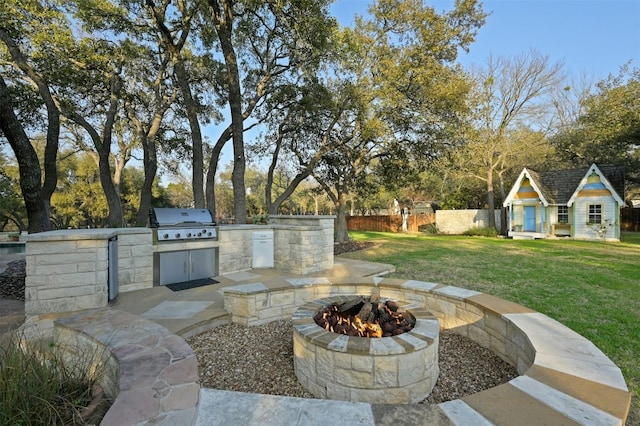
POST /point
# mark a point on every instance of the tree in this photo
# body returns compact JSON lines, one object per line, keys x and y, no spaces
{"x":511,"y":96}
{"x":30,"y":177}
{"x":28,"y":30}
{"x":223,"y":17}
{"x":174,"y":33}
{"x":608,"y":127}
{"x":405,"y":93}
{"x":267,"y":47}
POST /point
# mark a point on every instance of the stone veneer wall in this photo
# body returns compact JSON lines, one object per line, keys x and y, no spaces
{"x":235,"y":244}
{"x":303,"y":244}
{"x":135,"y":259}
{"x":67,"y":270}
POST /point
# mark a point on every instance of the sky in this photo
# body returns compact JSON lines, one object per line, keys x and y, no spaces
{"x":591,"y":37}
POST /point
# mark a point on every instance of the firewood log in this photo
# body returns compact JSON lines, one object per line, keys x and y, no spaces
{"x":365,"y":311}
{"x":350,"y":307}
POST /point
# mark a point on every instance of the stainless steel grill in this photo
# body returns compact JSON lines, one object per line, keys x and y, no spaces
{"x":174,"y":224}
{"x":193,"y":260}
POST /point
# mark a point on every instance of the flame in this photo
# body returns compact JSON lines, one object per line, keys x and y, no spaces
{"x":363,"y":329}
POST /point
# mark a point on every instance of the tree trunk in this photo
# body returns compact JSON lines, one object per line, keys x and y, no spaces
{"x":102,"y":145}
{"x":503,"y":210}
{"x":28,"y":163}
{"x":213,"y":168}
{"x":223,"y":18}
{"x":491,"y":199}
{"x":150,"y":163}
{"x":197,"y":181}
{"x":342,"y":232}
{"x":51,"y":156}
{"x":50,"y":165}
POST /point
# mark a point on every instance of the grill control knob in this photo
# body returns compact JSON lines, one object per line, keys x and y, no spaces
{"x":199,"y":234}
{"x":209,"y":234}
{"x":165,"y":236}
{"x":188,"y":234}
{"x":177,"y":235}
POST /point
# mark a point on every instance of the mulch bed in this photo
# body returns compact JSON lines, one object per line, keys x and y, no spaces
{"x":350,"y":246}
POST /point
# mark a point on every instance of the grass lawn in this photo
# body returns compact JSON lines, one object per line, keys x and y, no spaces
{"x":591,"y":287}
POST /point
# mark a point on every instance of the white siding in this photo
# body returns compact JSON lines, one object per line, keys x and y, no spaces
{"x":609,"y":211}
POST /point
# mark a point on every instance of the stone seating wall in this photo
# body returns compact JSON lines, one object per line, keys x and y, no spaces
{"x":560,"y":371}
{"x":564,"y":378}
{"x":150,"y":373}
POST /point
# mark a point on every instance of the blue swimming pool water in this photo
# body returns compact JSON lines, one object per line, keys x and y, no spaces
{"x":8,"y":248}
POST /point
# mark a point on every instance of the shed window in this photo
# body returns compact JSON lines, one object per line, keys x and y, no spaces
{"x":595,"y":213}
{"x":563,"y":214}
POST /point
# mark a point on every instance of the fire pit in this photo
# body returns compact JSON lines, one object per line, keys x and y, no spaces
{"x":398,"y":369}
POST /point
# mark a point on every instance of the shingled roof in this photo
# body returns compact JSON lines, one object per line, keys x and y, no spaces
{"x":558,"y":186}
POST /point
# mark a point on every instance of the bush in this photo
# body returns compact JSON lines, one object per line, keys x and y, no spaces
{"x":481,"y":232}
{"x":260,"y":219}
{"x":429,"y":228}
{"x":38,"y":387}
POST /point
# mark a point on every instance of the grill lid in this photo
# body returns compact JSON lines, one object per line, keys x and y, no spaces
{"x":165,"y":217}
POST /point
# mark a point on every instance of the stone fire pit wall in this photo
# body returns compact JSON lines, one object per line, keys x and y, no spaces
{"x":391,"y":370}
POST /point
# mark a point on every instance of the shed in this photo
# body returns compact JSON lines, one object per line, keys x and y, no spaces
{"x":582,"y":203}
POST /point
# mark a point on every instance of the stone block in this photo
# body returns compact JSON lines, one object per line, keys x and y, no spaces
{"x":409,"y":367}
{"x":443,"y":306}
{"x":496,"y":325}
{"x":318,"y":390}
{"x":65,"y":258}
{"x":282,"y":298}
{"x":72,"y":280}
{"x":353,"y":379}
{"x":126,"y":276}
{"x":362,"y":363}
{"x":88,"y":245}
{"x":479,"y":335}
{"x":67,"y":304}
{"x":338,"y":392}
{"x":325,"y":367}
{"x":343,"y":360}
{"x":269,"y":314}
{"x":37,"y":248}
{"x":62,"y":268}
{"x":66,"y":292}
{"x":385,"y":372}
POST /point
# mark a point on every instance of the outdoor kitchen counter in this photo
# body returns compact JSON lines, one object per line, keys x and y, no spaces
{"x":83,"y":234}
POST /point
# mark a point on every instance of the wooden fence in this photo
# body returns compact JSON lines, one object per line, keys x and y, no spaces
{"x":630,"y":219}
{"x":392,"y":223}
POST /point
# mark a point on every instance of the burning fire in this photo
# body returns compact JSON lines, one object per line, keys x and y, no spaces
{"x":364,"y":319}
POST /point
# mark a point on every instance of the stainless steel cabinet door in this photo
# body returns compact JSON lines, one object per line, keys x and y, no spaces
{"x":174,"y":267}
{"x":203,"y":264}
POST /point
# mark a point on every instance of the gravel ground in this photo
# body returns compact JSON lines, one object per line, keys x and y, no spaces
{"x":259,"y":359}
{"x":12,"y":280}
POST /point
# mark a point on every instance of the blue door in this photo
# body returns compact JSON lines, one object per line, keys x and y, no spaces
{"x":529,"y":219}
